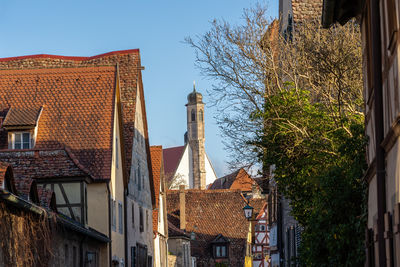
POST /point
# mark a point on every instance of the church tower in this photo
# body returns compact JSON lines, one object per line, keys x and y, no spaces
{"x":195,"y":137}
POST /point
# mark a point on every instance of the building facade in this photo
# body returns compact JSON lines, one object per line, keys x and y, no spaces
{"x":81,"y":114}
{"x":35,"y":234}
{"x":214,"y":221}
{"x":380,"y":47}
{"x":160,"y":224}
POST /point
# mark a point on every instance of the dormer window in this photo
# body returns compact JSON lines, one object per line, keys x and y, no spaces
{"x":21,"y":140}
{"x":220,"y":247}
{"x":21,"y":125}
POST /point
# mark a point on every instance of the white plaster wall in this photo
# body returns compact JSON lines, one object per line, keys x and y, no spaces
{"x":185,"y":168}
{"x":117,"y":190}
{"x":393,"y":177}
{"x":139,"y":196}
{"x":210,"y":173}
{"x":157,"y":255}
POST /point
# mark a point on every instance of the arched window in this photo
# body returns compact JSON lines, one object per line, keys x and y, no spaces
{"x":193,"y":115}
{"x":201,"y":115}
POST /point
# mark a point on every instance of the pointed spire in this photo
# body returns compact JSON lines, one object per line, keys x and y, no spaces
{"x":194,"y":86}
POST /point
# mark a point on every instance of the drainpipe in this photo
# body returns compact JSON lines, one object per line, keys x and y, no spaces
{"x":379,"y":134}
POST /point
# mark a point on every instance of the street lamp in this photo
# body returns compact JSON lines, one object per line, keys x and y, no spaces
{"x":248,"y":212}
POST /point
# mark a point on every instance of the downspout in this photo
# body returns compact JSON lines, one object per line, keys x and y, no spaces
{"x":379,"y":132}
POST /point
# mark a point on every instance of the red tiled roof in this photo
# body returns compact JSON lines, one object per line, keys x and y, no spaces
{"x":22,"y":116}
{"x":239,"y":179}
{"x":24,"y":186}
{"x":120,"y":52}
{"x":7,"y":173}
{"x":27,"y":188}
{"x":156,"y":164}
{"x":210,"y":213}
{"x":47,"y":198}
{"x":77,"y":109}
{"x":42,"y":163}
{"x":129,"y":67}
{"x":172,"y":157}
{"x":173,"y":231}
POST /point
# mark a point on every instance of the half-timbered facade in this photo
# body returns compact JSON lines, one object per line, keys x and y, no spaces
{"x":72,"y":119}
{"x":261,"y":249}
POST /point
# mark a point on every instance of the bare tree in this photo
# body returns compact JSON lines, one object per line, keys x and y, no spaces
{"x":251,"y":62}
{"x":176,"y":181}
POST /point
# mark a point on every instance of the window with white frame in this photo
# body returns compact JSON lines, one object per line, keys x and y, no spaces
{"x":20,"y":140}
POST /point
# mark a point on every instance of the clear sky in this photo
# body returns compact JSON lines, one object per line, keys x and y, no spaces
{"x":157,"y":28}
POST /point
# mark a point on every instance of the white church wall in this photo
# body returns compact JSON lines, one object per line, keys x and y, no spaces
{"x":210,"y":173}
{"x":184,"y":170}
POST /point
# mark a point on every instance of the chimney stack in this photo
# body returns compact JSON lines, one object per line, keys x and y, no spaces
{"x":182,"y":210}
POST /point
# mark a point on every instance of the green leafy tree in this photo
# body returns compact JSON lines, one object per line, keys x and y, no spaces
{"x":298,"y":105}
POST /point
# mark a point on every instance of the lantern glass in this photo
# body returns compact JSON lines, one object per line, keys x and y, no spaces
{"x":248,"y":211}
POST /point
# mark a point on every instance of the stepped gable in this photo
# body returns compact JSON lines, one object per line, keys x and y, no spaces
{"x":210,"y":213}
{"x":130,"y":80}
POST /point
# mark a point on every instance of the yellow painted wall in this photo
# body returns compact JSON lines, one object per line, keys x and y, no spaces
{"x":98,"y":207}
{"x":117,"y":191}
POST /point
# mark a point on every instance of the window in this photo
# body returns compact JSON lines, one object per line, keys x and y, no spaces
{"x":220,"y":251}
{"x":193,"y":115}
{"x":201,"y":116}
{"x":133,"y":215}
{"x":120,"y":224}
{"x":21,"y":141}
{"x":114,"y":217}
{"x":141,"y":219}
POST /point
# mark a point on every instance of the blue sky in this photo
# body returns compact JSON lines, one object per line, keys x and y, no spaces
{"x":157,"y":28}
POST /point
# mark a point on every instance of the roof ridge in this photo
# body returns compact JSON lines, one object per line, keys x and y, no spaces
{"x":77,"y":58}
{"x":61,"y":70}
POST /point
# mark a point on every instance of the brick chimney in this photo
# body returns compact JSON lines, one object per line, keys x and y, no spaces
{"x":182,"y":209}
